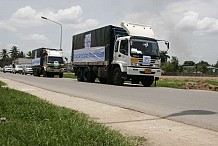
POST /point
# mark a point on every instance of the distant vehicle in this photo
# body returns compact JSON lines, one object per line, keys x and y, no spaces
{"x":47,"y":62}
{"x":7,"y":69}
{"x":117,"y":54}
{"x":17,"y":69}
{"x":27,"y":69}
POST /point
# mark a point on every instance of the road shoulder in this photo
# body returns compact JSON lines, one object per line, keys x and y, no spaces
{"x":158,"y":131}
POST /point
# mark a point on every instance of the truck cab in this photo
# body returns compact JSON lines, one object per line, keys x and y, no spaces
{"x":47,"y":62}
{"x":137,"y":55}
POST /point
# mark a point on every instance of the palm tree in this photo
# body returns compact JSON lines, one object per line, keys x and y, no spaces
{"x":14,"y":52}
{"x":4,"y":53}
{"x":164,"y":56}
{"x":21,"y":55}
{"x":29,"y":54}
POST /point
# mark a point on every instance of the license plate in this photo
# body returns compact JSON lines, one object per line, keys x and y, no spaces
{"x":147,"y":71}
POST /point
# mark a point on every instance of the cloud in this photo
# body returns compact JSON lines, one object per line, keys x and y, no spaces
{"x":192,"y":21}
{"x":89,"y":23}
{"x":5,"y":26}
{"x":35,"y":37}
{"x":67,"y":15}
{"x":29,"y":17}
{"x":25,"y":17}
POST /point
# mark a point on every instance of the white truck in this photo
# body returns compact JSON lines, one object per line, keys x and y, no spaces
{"x":117,"y":54}
{"x":47,"y":62}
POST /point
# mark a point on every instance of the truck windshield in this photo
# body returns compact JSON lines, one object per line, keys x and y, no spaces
{"x":139,"y":47}
{"x":52,"y":59}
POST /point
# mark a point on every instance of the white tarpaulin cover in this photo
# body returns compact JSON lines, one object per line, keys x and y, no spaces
{"x":35,"y":61}
{"x":93,"y":54}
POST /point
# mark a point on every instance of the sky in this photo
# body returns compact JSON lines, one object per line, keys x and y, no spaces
{"x":191,"y":26}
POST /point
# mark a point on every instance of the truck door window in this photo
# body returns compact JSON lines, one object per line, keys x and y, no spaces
{"x":124,"y":47}
{"x":116,"y":46}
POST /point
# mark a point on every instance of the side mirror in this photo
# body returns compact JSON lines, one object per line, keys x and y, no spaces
{"x":168,"y":45}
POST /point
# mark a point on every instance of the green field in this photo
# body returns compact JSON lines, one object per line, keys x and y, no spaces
{"x":28,"y":120}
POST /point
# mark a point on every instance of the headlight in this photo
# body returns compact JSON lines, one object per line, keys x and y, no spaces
{"x":135,"y":64}
{"x":156,"y":65}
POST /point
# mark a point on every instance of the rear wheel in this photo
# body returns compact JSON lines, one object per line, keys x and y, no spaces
{"x":117,"y":77}
{"x":147,"y":81}
{"x":88,"y":76}
{"x":80,"y":75}
{"x":35,"y":72}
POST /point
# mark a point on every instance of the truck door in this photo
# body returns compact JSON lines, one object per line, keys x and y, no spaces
{"x":121,"y":52}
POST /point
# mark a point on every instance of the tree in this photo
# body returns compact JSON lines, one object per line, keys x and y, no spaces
{"x":14,"y":52}
{"x":29,"y":54}
{"x":175,"y":63}
{"x":216,"y":65}
{"x":168,"y":67}
{"x":4,"y":53}
{"x":202,"y":66}
{"x":164,"y":56}
{"x":189,"y":63}
{"x":21,"y":55}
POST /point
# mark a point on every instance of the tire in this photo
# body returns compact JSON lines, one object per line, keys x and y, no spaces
{"x":36,"y":73}
{"x":44,"y":73}
{"x":88,"y":76}
{"x":61,"y":75}
{"x":147,"y":81}
{"x":80,"y":75}
{"x":117,"y":77}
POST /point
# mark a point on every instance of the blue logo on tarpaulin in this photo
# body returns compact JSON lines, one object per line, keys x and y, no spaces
{"x":88,"y":41}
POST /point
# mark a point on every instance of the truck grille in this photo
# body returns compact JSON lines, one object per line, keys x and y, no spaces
{"x":151,"y":63}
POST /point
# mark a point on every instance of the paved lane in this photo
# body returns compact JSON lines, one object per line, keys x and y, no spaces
{"x":199,"y":108}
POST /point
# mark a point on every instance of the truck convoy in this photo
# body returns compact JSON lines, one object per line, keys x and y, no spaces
{"x":117,"y":54}
{"x":47,"y":62}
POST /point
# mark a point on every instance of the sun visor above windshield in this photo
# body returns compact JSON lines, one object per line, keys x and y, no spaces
{"x":138,"y":29}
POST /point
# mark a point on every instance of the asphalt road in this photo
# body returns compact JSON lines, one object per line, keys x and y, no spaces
{"x":197,"y":108}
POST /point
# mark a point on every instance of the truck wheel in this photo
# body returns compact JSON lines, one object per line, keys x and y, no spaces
{"x":88,"y":76}
{"x":44,"y":73}
{"x":37,"y":73}
{"x":34,"y":72}
{"x":80,"y":75}
{"x":117,"y":77}
{"x":147,"y":81}
{"x":61,"y":75}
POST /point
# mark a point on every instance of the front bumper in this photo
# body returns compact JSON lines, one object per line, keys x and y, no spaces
{"x":55,"y":70}
{"x":143,"y":71}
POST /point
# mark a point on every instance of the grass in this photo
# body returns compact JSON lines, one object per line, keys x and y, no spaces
{"x":69,"y":75}
{"x":170,"y":83}
{"x":2,"y":84}
{"x":181,"y":82}
{"x":215,"y":83}
{"x":28,"y":120}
